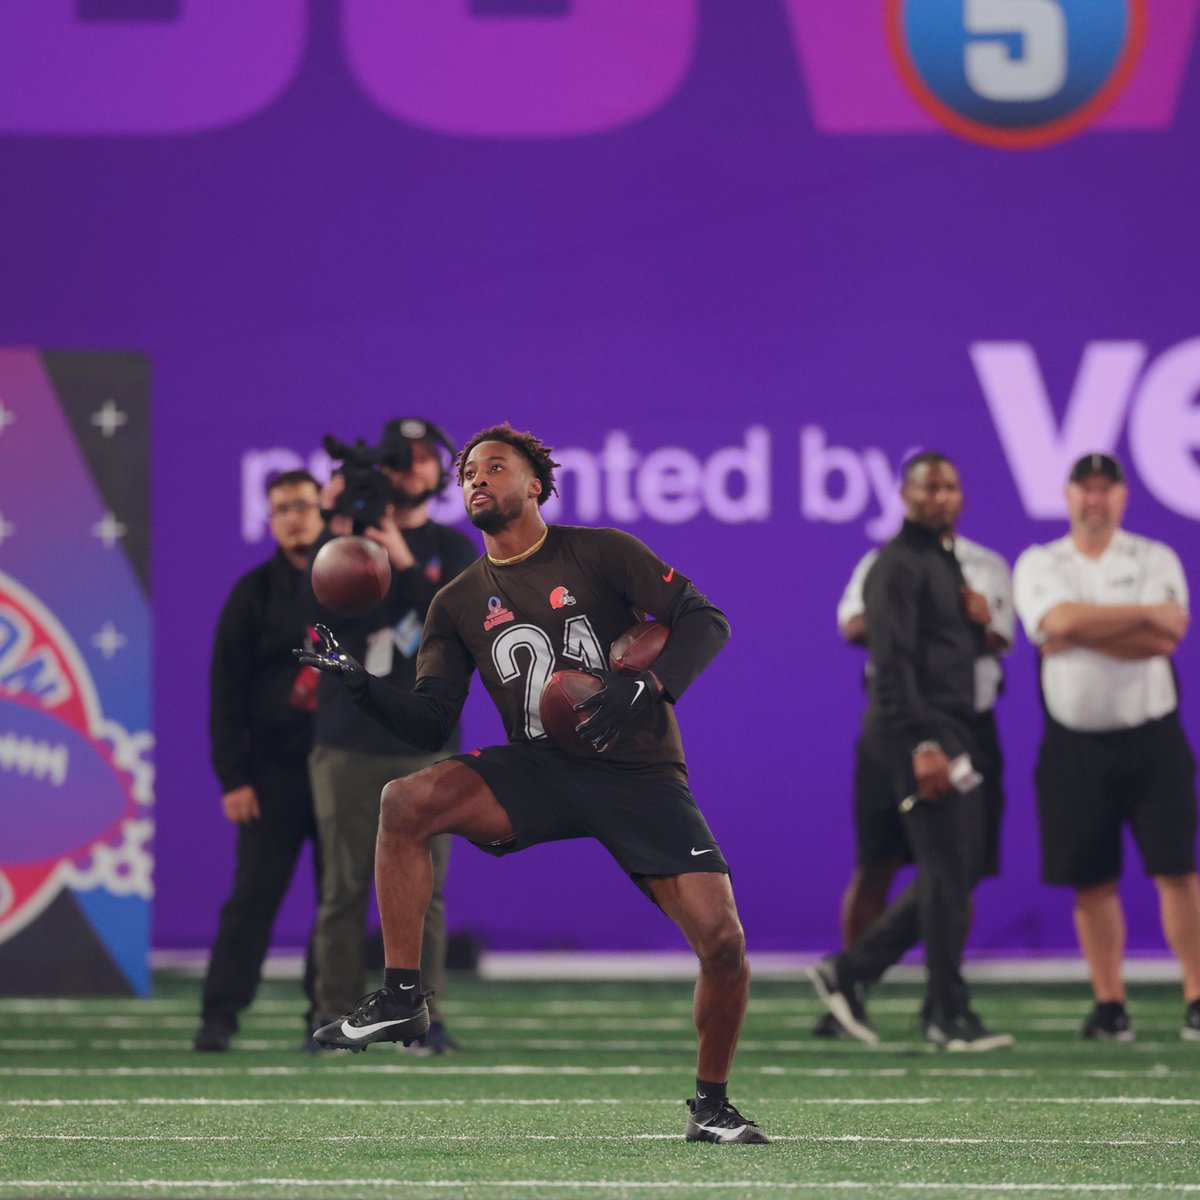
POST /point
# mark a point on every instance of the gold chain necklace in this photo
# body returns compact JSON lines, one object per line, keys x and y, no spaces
{"x":516,"y":558}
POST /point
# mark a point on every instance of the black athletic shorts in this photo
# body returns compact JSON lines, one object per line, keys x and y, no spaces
{"x":1090,"y":784}
{"x":646,"y":818}
{"x":878,"y":790}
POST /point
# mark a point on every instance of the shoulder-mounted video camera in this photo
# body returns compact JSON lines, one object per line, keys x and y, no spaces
{"x":368,"y":491}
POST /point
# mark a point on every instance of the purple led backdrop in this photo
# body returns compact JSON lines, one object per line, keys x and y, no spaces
{"x":718,"y":250}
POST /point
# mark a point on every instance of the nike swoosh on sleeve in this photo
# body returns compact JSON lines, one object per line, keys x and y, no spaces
{"x":669,"y":576}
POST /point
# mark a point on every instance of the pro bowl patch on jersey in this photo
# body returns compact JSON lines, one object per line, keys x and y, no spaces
{"x":1016,"y":73}
{"x":497,"y":614}
{"x":77,"y":788}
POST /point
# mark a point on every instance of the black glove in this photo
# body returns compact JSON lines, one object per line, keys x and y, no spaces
{"x":328,"y":656}
{"x":622,"y":698}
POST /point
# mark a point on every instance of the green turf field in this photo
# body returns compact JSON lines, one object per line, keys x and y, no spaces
{"x":577,"y":1090}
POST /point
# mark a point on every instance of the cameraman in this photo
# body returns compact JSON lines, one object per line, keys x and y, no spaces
{"x":352,"y":758}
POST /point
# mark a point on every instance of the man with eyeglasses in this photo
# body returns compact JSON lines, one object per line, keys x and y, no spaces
{"x":260,"y":725}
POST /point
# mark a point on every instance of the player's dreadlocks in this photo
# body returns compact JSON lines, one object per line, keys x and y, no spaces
{"x":533,"y":448}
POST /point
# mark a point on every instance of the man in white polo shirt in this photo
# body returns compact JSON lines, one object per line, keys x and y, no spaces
{"x":1106,"y":608}
{"x":881,"y":847}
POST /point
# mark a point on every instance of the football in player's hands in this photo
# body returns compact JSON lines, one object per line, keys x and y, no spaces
{"x":622,"y":698}
{"x":563,"y":690}
{"x":638,"y":647}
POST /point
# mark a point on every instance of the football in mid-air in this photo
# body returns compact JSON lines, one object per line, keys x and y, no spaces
{"x":563,"y":690}
{"x":351,"y":575}
{"x":638,"y":647}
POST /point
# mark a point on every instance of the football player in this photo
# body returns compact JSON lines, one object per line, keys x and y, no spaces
{"x":543,"y":598}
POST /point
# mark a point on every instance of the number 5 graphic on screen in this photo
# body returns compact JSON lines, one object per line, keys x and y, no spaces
{"x":1037,"y":71}
{"x":527,"y":650}
{"x":1015,"y":73}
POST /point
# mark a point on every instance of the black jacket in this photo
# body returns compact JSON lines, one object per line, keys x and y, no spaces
{"x":252,"y":714}
{"x":922,"y":646}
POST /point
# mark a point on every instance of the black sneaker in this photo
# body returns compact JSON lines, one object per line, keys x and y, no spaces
{"x":1108,"y":1022}
{"x":722,"y":1124}
{"x":1191,"y":1023}
{"x":436,"y":1041}
{"x":828,"y":1026}
{"x":965,"y":1032}
{"x":212,"y":1038}
{"x":843,"y":1001}
{"x":388,"y":1015}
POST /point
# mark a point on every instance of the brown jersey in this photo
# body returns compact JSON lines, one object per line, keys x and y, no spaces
{"x":561,"y":608}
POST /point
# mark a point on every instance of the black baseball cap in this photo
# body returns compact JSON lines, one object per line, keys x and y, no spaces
{"x":1097,"y":464}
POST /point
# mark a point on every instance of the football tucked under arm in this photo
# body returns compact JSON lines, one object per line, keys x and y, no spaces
{"x":621,"y":699}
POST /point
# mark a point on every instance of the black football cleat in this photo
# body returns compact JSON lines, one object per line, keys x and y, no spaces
{"x":311,"y":1045}
{"x":842,"y":999}
{"x":723,"y":1124}
{"x":388,"y":1015}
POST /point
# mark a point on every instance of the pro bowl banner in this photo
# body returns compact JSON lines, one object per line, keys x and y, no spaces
{"x":76,"y":781}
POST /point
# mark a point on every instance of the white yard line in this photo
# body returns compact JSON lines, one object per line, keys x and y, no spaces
{"x":511,"y":1136}
{"x":521,"y":1186}
{"x":320,"y":1069}
{"x":352,"y":1102}
{"x":808,"y":1047}
{"x":481,"y":1008}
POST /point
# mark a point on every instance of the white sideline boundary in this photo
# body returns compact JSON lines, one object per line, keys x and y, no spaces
{"x":674,"y":966}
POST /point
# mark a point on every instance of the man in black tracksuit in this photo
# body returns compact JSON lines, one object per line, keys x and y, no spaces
{"x":260,"y":724}
{"x":918,"y":726}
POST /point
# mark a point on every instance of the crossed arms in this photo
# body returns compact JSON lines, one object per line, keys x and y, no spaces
{"x":1123,"y":631}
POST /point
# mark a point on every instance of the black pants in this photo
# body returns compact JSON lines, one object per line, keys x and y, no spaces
{"x":267,"y":852}
{"x":989,"y":761}
{"x":947,"y":846}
